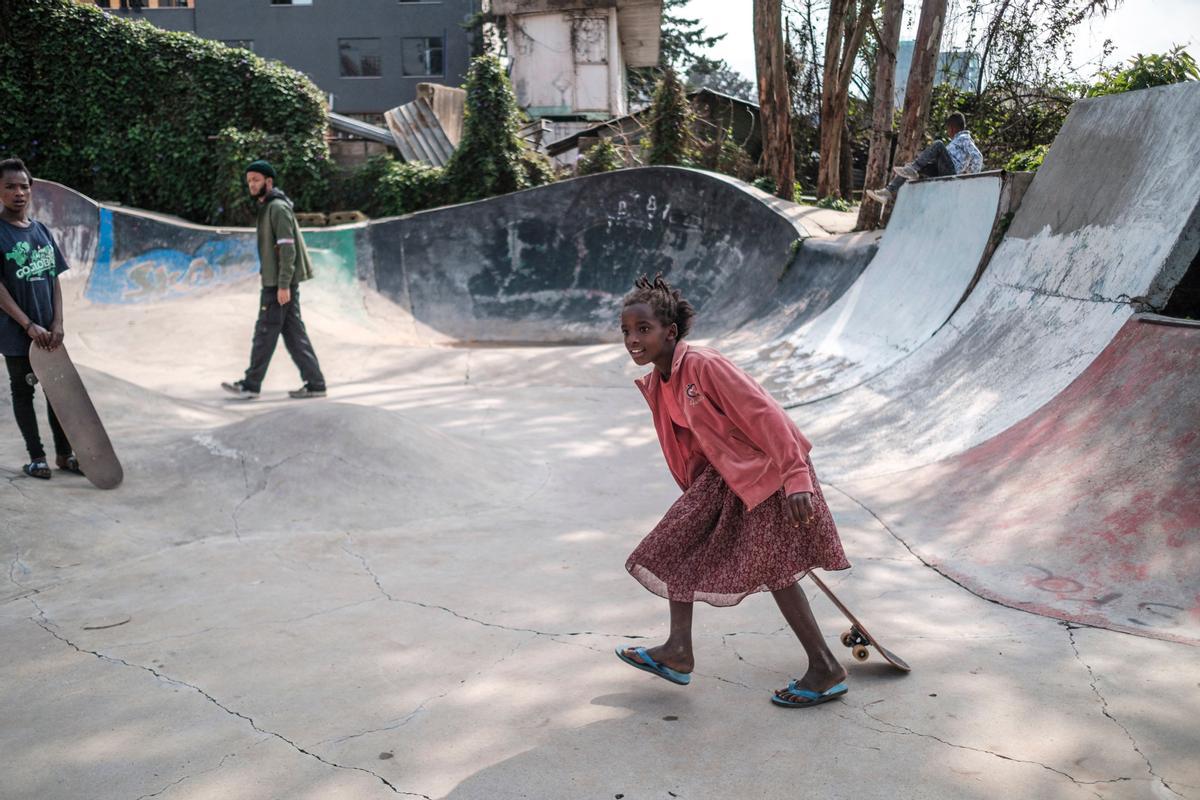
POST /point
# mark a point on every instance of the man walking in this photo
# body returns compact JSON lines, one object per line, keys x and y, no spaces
{"x":284,"y":262}
{"x":959,"y":157}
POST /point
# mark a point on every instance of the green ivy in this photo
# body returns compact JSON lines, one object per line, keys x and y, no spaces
{"x":123,"y":111}
{"x":490,"y":158}
{"x":671,"y":118}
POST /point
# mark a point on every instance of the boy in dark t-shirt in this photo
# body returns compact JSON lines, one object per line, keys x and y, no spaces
{"x":31,"y":302}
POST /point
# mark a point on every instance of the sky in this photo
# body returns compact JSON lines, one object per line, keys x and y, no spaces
{"x":1146,"y":26}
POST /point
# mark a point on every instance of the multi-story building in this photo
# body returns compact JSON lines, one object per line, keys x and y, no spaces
{"x":367,"y":55}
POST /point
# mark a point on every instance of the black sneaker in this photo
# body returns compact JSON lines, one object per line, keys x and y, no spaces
{"x":239,"y":389}
{"x":306,"y":391}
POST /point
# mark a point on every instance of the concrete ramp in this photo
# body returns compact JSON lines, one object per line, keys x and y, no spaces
{"x":547,"y":265}
{"x":930,"y":253}
{"x":1110,"y":220}
{"x":1088,"y":510}
{"x":551,"y":264}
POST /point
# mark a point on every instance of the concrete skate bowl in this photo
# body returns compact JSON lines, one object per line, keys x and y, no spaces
{"x":1089,"y":509}
{"x":1086,"y":241}
{"x":1040,"y":447}
{"x":935,"y":245}
{"x":547,"y":265}
{"x":550,"y":265}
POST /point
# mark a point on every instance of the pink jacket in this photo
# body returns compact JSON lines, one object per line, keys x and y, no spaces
{"x":732,"y":423}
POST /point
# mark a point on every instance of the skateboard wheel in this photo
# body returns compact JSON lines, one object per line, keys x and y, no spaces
{"x":861,"y":652}
{"x":848,"y":639}
{"x":31,"y":379}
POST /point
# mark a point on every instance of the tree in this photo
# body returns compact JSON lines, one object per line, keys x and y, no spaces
{"x":680,"y":46}
{"x":881,"y":118}
{"x":489,"y":159}
{"x":848,"y":23}
{"x":670,"y":123}
{"x":919,"y":91}
{"x":720,"y":77}
{"x":774,"y":100}
{"x":1157,"y":69}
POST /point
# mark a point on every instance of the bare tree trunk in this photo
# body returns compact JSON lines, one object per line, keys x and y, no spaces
{"x":774,"y":102}
{"x":919,"y":92}
{"x":831,"y":131}
{"x":835,"y":90}
{"x":881,"y":119}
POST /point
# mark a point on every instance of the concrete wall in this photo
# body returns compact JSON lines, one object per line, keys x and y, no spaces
{"x":305,"y":37}
{"x":552,"y":264}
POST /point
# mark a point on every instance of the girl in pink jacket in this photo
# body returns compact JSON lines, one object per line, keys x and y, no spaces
{"x":752,"y":517}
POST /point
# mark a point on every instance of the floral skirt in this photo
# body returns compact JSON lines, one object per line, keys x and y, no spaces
{"x":710,"y":548}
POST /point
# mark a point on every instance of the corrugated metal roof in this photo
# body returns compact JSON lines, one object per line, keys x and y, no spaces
{"x":418,"y":135}
{"x":357,"y":127}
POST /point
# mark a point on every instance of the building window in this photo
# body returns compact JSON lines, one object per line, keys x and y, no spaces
{"x":245,"y":44}
{"x":360,"y":58}
{"x":421,"y":56}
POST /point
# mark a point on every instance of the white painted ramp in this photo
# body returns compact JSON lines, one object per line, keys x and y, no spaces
{"x":1111,"y":216}
{"x":925,"y":263}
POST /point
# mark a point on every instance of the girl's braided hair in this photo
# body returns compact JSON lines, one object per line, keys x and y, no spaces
{"x":665,"y":300}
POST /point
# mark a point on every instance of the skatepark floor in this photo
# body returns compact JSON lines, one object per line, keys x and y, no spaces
{"x":414,"y":588}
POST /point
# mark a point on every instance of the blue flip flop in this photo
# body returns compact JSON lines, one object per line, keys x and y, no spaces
{"x":653,"y":667}
{"x":812,"y":698}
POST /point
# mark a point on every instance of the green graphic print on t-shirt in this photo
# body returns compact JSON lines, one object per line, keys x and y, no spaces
{"x":32,"y":264}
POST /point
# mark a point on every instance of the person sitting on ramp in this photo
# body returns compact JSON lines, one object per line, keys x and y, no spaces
{"x":959,"y":157}
{"x":31,"y":300}
{"x":752,"y":517}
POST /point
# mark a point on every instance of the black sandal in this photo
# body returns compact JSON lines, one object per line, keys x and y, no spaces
{"x":69,"y":464}
{"x":38,"y":469}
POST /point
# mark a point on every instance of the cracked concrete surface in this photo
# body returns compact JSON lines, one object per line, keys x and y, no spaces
{"x":416,"y":586}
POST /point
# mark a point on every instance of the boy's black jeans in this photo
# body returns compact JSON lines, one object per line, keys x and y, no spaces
{"x":273,"y":320}
{"x":932,"y":162}
{"x":22,"y":400}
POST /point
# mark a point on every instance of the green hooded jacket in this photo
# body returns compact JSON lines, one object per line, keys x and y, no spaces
{"x":281,"y":251}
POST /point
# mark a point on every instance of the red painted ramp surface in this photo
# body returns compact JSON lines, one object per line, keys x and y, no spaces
{"x":1089,"y":509}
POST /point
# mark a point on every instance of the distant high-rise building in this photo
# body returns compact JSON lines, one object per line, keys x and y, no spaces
{"x":959,"y":68}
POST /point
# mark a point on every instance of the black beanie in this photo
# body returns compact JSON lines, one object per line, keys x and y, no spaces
{"x":262,"y":168}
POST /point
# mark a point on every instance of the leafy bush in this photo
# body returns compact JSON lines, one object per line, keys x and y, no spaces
{"x":1157,"y":69}
{"x":723,"y":154}
{"x":1028,"y":160}
{"x":539,"y":169}
{"x":833,"y":202}
{"x":490,"y":159}
{"x":123,"y":111}
{"x":671,"y":119}
{"x":385,"y":187}
{"x":600,"y":157}
{"x":765,"y":184}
